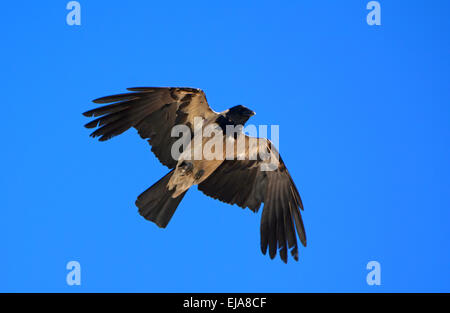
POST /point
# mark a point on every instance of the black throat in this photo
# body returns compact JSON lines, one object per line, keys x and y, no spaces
{"x":223,"y":121}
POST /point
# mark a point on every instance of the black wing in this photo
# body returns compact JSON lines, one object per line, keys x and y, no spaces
{"x":247,"y":184}
{"x":153,"y":111}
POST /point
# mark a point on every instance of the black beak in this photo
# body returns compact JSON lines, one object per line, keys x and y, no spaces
{"x":249,"y":113}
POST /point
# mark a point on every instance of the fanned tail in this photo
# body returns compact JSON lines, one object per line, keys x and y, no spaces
{"x":156,"y":203}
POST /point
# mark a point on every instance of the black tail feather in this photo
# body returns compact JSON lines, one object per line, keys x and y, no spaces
{"x":156,"y":203}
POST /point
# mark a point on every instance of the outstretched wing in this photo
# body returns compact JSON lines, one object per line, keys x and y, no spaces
{"x":153,"y":111}
{"x":253,"y":181}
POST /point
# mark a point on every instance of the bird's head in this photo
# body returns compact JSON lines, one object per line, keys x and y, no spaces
{"x":239,"y":114}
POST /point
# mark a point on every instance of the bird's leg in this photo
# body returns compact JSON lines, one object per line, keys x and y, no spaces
{"x":186,"y":167}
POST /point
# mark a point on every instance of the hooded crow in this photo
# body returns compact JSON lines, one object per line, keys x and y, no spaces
{"x":247,"y":180}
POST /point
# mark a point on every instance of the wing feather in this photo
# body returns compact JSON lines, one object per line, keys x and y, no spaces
{"x":243,"y":182}
{"x":153,"y":111}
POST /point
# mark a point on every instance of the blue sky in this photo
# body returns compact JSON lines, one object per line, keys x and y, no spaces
{"x":364,"y":130}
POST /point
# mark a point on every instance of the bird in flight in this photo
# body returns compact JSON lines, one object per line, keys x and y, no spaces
{"x":154,"y":111}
